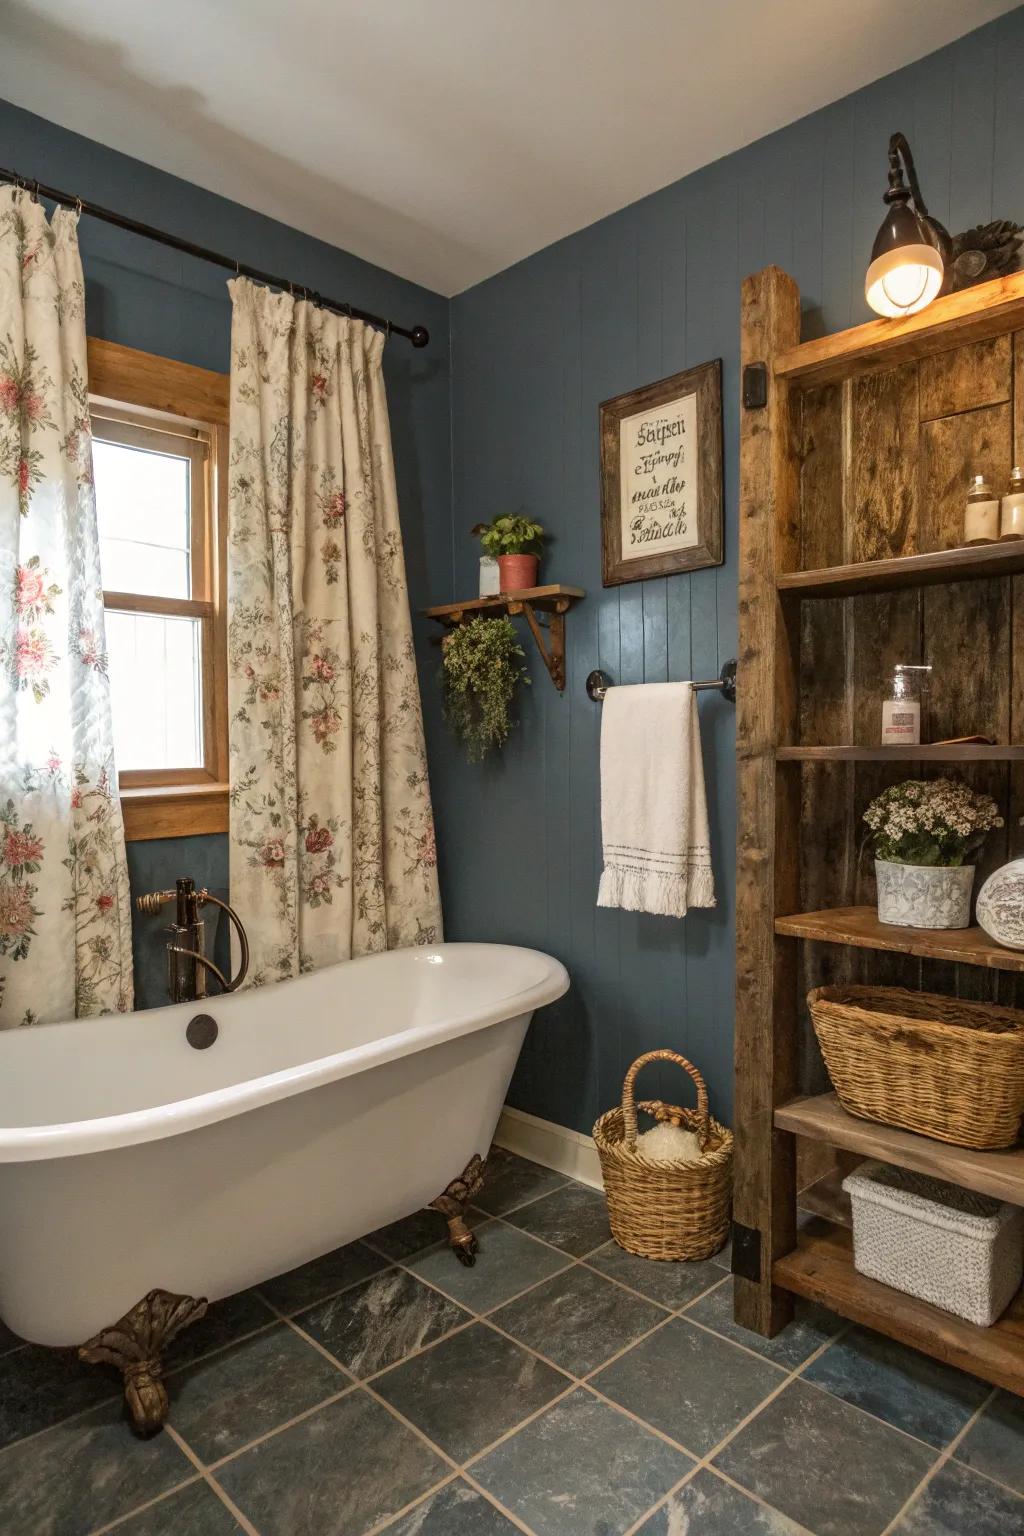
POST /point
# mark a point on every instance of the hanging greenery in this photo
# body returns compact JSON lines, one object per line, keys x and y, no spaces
{"x":482,"y":666}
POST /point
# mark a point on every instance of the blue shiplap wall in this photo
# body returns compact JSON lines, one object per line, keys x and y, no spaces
{"x":143,"y":295}
{"x":648,"y":291}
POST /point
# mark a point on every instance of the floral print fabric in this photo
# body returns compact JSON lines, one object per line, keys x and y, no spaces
{"x":65,"y":913}
{"x":332,"y":834}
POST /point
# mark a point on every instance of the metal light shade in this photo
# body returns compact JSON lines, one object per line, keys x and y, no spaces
{"x":907,"y":269}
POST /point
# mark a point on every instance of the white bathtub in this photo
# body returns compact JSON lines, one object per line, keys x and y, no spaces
{"x":328,"y":1106}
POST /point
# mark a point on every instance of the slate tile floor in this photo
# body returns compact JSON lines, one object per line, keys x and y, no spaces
{"x":559,"y":1388}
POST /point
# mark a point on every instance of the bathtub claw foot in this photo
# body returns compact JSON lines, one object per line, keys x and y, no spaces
{"x":452,"y":1205}
{"x":135,"y":1345}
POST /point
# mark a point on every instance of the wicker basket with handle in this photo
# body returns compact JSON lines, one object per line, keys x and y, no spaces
{"x":666,"y":1210}
{"x":944,"y":1067}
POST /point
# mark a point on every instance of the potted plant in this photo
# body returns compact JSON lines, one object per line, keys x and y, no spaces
{"x":515,"y":542}
{"x":922,"y":832}
{"x":482,"y":666}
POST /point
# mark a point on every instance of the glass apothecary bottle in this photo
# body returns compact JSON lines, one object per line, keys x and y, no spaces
{"x":903,"y":707}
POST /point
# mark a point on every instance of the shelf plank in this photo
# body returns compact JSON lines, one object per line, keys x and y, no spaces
{"x":967,"y":563}
{"x":821,"y":1269}
{"x":987,"y":309}
{"x":822,"y":1118}
{"x":936,"y":752}
{"x":555,"y":598}
{"x":860,"y":927}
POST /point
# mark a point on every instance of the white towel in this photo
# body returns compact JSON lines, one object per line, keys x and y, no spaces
{"x":654,"y":815}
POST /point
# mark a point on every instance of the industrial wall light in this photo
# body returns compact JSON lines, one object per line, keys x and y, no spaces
{"x":914,"y":258}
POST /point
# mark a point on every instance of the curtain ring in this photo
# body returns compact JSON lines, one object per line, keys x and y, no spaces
{"x":78,"y":207}
{"x":35,"y":191}
{"x":388,"y":335}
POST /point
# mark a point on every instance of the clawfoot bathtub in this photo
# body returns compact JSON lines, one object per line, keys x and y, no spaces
{"x":140,"y":1176}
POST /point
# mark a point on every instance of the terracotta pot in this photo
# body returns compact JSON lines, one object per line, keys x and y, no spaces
{"x":517,"y":572}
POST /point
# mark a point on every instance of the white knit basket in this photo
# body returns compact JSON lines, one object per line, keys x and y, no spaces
{"x":960,"y":1251}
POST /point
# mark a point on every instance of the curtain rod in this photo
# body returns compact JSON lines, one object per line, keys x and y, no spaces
{"x":419,"y":335}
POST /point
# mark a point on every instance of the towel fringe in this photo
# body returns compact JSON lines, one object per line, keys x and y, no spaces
{"x":647,"y":890}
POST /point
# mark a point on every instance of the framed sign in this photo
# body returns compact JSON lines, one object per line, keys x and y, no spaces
{"x":661,"y":477}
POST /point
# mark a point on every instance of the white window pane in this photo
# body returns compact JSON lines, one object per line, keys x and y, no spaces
{"x":142,"y":500}
{"x":146,"y":568}
{"x":156,"y":693}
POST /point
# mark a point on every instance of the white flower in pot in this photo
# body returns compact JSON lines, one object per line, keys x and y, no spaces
{"x":923,"y":832}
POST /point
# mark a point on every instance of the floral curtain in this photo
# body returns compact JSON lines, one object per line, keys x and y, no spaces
{"x":332,"y":834}
{"x":65,"y":914}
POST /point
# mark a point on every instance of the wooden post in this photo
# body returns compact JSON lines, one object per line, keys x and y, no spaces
{"x":767,"y":875}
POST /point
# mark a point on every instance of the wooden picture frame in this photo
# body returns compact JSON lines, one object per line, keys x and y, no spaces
{"x":666,"y":440}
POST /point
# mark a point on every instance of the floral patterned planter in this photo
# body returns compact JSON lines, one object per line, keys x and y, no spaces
{"x":924,"y":896}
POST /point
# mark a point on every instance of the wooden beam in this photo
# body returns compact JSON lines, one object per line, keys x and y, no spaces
{"x":126,"y":376}
{"x":767,"y":877}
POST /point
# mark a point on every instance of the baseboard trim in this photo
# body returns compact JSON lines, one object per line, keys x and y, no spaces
{"x":553,"y":1146}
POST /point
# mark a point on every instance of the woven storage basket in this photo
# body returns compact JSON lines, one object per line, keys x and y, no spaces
{"x":666,"y":1210}
{"x":947,"y":1068}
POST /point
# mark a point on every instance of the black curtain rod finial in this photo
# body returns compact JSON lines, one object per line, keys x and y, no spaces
{"x":419,"y":336}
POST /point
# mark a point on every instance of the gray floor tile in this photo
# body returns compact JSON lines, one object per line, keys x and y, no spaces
{"x":578,"y":1319}
{"x":510,"y":1180}
{"x":336,"y":1473}
{"x":507,"y":1262}
{"x":671,"y":1284}
{"x":221,"y":1403}
{"x":457,"y":1510}
{"x":917,"y":1394}
{"x":995,"y":1444}
{"x":379,"y":1322}
{"x":574,"y":1218}
{"x":715,"y":1508}
{"x":40,"y":1387}
{"x":83,"y":1474}
{"x":826,"y":1464}
{"x":580,"y":1469}
{"x":689,"y":1384}
{"x":321,"y":1277}
{"x":469,"y":1389}
{"x":225,"y":1321}
{"x":723,"y":1258}
{"x":8,"y":1340}
{"x":194,"y":1511}
{"x":811,"y":1327}
{"x":959,"y":1502}
{"x":413,"y":1233}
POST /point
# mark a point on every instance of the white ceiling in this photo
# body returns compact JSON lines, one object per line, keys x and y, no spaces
{"x":447,"y":139}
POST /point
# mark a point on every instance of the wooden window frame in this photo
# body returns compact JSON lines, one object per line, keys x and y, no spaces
{"x":130,"y":387}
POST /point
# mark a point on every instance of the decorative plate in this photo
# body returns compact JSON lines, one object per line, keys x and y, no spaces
{"x":1001,"y":905}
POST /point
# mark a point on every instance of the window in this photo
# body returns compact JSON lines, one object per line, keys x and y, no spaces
{"x":158,"y":487}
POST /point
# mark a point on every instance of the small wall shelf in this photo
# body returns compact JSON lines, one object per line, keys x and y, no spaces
{"x":554,"y":600}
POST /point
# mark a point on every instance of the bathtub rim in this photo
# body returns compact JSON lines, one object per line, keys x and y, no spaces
{"x":75,"y":1138}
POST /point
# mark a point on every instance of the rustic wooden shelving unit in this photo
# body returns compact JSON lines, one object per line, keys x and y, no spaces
{"x":554,"y":600}
{"x":853,"y":479}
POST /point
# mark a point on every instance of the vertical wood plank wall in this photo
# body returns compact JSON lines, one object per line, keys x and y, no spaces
{"x":643,"y":293}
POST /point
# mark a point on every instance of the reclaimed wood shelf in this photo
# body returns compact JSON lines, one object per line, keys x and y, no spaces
{"x":554,"y":600}
{"x":859,"y":926}
{"x":820,"y":1268}
{"x":854,"y":459}
{"x":821,"y":1117}
{"x":975,"y":314}
{"x":967,"y":563}
{"x":936,"y":752}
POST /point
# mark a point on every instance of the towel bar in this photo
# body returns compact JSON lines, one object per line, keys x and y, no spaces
{"x":599,"y":682}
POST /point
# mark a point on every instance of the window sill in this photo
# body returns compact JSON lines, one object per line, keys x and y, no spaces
{"x":174,"y":810}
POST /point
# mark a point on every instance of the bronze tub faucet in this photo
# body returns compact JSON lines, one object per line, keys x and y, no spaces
{"x":187,"y":961}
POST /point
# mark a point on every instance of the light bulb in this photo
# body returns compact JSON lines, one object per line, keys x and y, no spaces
{"x":903,"y":280}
